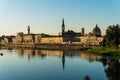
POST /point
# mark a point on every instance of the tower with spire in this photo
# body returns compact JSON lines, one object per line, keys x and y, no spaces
{"x":28,"y":30}
{"x":63,"y":27}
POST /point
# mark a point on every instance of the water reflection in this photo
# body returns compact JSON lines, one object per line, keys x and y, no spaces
{"x":1,"y":54}
{"x":63,"y":60}
{"x":80,"y":63}
{"x":112,"y":67}
{"x":104,"y":60}
{"x":31,"y":53}
{"x":113,"y":70}
{"x":57,"y":53}
{"x":87,"y":78}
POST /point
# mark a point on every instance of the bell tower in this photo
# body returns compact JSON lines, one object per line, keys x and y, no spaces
{"x":63,"y":27}
{"x":28,"y":30}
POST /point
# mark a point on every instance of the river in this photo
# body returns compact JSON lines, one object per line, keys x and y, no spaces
{"x":31,"y":64}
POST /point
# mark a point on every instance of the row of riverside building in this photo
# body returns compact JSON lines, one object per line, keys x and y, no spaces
{"x":66,"y":37}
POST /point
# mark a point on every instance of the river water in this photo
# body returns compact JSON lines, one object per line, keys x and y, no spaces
{"x":30,"y":64}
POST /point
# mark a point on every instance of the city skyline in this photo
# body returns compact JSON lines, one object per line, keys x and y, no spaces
{"x":45,"y":16}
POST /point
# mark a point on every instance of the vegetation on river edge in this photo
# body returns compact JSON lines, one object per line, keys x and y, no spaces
{"x":105,"y":51}
{"x":110,"y":44}
{"x":112,"y":37}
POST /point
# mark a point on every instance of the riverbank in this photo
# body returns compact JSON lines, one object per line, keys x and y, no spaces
{"x":105,"y":51}
{"x":48,"y":46}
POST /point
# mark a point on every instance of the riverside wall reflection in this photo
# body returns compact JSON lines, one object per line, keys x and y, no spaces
{"x":57,"y":53}
{"x":111,"y":65}
{"x":69,"y":61}
{"x":31,"y":53}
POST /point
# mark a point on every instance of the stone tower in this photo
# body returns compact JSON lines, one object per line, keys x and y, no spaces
{"x":82,"y":31}
{"x":63,"y":27}
{"x":28,"y":30}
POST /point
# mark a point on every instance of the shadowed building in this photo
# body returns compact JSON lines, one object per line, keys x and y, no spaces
{"x":69,"y":33}
{"x":69,"y":36}
{"x":97,"y":31}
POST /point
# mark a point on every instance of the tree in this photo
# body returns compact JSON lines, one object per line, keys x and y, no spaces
{"x":112,"y":37}
{"x":113,"y":69}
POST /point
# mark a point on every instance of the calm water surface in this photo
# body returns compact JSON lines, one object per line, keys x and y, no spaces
{"x":28,"y":64}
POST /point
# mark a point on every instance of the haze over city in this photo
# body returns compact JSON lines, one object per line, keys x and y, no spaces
{"x":45,"y":16}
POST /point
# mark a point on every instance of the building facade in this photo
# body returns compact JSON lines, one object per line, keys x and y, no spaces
{"x":66,"y":37}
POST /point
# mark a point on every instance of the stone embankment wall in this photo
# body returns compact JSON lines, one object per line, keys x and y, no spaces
{"x":48,"y":46}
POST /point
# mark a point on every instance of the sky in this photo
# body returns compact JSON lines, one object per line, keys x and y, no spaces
{"x":45,"y":16}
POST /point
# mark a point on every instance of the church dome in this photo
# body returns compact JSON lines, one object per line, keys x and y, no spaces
{"x":97,"y":31}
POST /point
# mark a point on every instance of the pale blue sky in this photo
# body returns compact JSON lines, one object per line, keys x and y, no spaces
{"x":45,"y":16}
